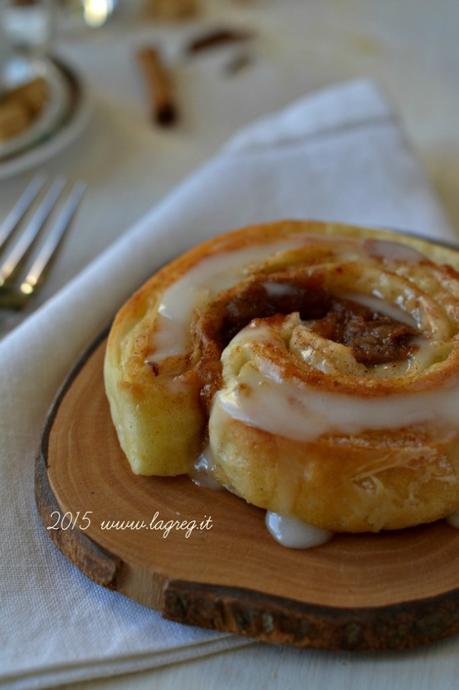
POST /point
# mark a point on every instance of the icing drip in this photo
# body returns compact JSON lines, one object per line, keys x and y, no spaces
{"x":203,"y":471}
{"x":293,"y":533}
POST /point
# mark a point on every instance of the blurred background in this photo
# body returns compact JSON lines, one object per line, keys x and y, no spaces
{"x":132,"y":95}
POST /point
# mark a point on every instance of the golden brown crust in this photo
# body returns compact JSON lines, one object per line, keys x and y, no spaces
{"x":387,"y":478}
{"x":381,"y":480}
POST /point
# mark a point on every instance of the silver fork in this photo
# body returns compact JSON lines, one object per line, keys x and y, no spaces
{"x":28,"y":245}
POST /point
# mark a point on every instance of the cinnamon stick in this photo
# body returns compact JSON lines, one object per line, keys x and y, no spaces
{"x":158,"y":84}
{"x":217,"y":37}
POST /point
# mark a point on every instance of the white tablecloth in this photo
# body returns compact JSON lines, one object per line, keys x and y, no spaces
{"x":338,"y":155}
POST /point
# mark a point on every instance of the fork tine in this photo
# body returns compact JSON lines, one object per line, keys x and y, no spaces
{"x":20,"y":208}
{"x":53,"y":238}
{"x":30,"y":232}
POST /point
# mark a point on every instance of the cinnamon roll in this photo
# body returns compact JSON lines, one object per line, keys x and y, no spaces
{"x":311,"y":368}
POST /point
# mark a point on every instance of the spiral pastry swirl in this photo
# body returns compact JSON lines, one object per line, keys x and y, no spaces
{"x":319,"y":363}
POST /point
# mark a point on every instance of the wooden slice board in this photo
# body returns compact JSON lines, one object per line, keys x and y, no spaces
{"x":389,"y":591}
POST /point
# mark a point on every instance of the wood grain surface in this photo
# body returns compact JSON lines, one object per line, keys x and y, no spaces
{"x":389,"y":591}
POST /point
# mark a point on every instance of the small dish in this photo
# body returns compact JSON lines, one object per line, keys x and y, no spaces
{"x":61,"y":122}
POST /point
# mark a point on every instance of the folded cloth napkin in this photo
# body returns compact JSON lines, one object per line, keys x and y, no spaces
{"x":335,"y":155}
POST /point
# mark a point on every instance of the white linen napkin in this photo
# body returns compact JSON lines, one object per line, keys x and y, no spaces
{"x":335,"y":155}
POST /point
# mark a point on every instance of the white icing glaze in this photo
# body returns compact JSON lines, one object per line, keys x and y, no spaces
{"x":303,"y":413}
{"x":392,"y":251}
{"x":295,"y":410}
{"x":382,"y":306}
{"x":203,"y":470}
{"x":288,"y":531}
{"x":294,"y":533}
{"x":210,"y":276}
{"x":220,"y":272}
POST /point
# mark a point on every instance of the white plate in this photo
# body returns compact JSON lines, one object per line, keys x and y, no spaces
{"x":21,"y":70}
{"x":69,"y":125}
